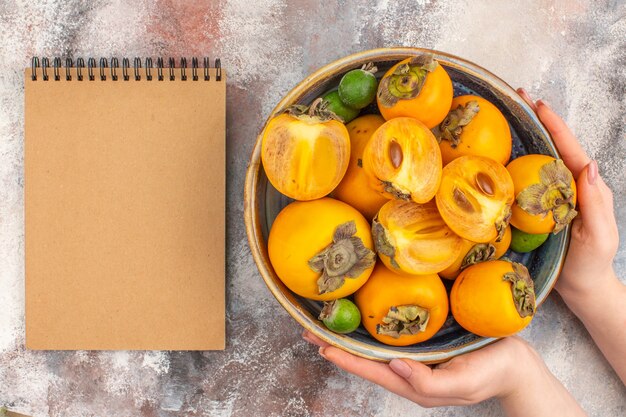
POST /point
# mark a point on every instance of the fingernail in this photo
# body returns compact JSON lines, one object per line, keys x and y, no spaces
{"x":322,"y":351}
{"x":592,"y":172}
{"x":541,"y":102}
{"x":400,"y":367}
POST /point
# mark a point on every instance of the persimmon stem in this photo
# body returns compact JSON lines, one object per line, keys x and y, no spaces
{"x":345,"y":257}
{"x":313,"y":108}
{"x":554,"y":193}
{"x":317,"y":112}
{"x":451,"y":128}
{"x":522,"y":289}
{"x":480,"y":252}
{"x":404,"y":320}
{"x":407,"y":80}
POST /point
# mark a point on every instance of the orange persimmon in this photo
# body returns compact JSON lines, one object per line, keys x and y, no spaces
{"x":321,"y":249}
{"x":416,"y":87}
{"x":493,"y":298}
{"x":474,"y":126}
{"x":354,"y":188}
{"x":475,"y":198}
{"x":413,"y":239}
{"x":545,"y":194}
{"x":401,"y":310}
{"x":305,"y":152}
{"x":402,"y":160}
{"x":473,"y":253}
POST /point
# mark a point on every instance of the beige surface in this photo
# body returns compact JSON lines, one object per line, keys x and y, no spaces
{"x":124,"y":213}
{"x":268,"y":47}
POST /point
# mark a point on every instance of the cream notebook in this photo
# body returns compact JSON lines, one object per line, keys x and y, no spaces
{"x":124,"y":189}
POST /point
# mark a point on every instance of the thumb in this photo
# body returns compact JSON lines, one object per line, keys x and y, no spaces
{"x":591,"y":201}
{"x":426,"y":381}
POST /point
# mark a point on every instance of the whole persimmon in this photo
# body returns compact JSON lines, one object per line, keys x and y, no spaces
{"x":545,"y":194}
{"x":400,"y":310}
{"x":321,"y":249}
{"x":493,"y":298}
{"x":354,"y":188}
{"x":474,"y":126}
{"x":416,"y":87}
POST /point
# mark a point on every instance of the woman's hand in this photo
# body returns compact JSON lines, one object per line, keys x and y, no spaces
{"x":509,"y":370}
{"x":468,"y":379}
{"x":588,"y":283}
{"x":594,"y":238}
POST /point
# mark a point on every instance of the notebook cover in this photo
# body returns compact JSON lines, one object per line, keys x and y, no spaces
{"x":124,"y":213}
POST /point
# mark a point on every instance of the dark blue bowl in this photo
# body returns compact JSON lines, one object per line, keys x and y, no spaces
{"x":263,"y":203}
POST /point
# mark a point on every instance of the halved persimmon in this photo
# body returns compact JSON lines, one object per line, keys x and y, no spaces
{"x":413,"y":238}
{"x":475,"y":198}
{"x":474,"y":126}
{"x":305,"y":151}
{"x":354,"y":188}
{"x":416,"y":87}
{"x":473,"y":253}
{"x":403,"y":160}
{"x":545,"y":194}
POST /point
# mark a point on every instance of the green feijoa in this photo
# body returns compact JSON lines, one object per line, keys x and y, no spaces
{"x":335,"y":105}
{"x":357,"y":88}
{"x":341,"y":316}
{"x":523,"y":242}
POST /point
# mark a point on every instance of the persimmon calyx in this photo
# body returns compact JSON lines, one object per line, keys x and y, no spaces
{"x":382,"y":244}
{"x":407,"y":80}
{"x":317,"y":112}
{"x":522,"y":289}
{"x":327,"y":310}
{"x":480,"y":252}
{"x":404,"y":320}
{"x":346,"y":257}
{"x":451,"y":128}
{"x":397,"y":193}
{"x":502,"y":222}
{"x":553,"y":193}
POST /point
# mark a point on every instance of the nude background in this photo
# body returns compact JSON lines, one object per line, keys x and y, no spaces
{"x":569,"y":52}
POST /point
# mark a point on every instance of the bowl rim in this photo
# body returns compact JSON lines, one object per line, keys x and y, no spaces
{"x":258,"y":246}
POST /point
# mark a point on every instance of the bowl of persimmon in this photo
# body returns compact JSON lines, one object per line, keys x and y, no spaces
{"x":404,"y":202}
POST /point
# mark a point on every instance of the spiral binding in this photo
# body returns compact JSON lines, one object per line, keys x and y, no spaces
{"x":111,"y":66}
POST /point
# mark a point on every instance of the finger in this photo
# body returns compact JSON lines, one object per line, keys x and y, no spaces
{"x":311,"y":338}
{"x":432,"y":382}
{"x":526,"y":97}
{"x":376,"y":372}
{"x":572,"y":153}
{"x":444,"y":365}
{"x":594,"y":202}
